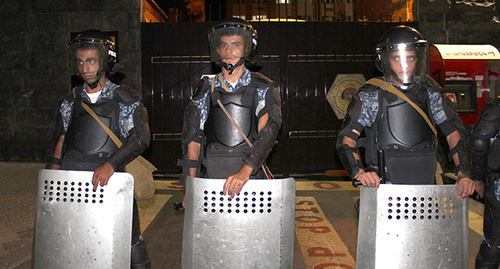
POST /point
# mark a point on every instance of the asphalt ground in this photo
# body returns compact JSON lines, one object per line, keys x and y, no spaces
{"x":328,"y":197}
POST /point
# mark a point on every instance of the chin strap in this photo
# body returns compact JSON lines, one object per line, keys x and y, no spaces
{"x":230,"y":67}
{"x":94,"y":84}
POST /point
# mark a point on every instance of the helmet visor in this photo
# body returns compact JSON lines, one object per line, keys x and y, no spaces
{"x":404,"y":63}
{"x":217,"y":33}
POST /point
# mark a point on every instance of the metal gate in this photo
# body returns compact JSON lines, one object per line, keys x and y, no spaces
{"x":302,"y":59}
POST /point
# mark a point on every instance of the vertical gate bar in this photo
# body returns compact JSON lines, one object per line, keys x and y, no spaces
{"x":220,"y":11}
{"x":285,"y":106}
{"x":286,"y":10}
{"x":305,"y":10}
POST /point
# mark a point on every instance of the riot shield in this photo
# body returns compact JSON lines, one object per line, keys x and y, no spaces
{"x":255,"y":229}
{"x":412,"y":226}
{"x":79,"y":228}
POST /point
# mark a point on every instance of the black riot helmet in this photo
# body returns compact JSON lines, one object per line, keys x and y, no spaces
{"x":402,"y":55}
{"x":231,"y":27}
{"x":95,"y":39}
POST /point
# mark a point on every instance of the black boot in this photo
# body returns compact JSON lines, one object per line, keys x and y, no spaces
{"x":488,"y":256}
{"x":139,"y":256}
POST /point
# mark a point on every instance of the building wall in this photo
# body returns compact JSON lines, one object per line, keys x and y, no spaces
{"x":458,"y":22}
{"x":151,"y":12}
{"x":34,"y":63}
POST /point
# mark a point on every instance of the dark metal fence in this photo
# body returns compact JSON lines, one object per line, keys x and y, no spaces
{"x":303,"y":59}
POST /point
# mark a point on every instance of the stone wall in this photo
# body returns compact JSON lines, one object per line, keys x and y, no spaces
{"x":34,"y":61}
{"x":458,"y":21}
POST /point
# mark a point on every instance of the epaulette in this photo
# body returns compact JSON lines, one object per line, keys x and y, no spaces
{"x":127,"y":95}
{"x":259,"y":80}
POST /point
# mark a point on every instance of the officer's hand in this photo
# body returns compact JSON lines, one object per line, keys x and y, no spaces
{"x":479,"y":188}
{"x":235,"y":183}
{"x":465,"y":187}
{"x":102,"y":174}
{"x":368,"y":179}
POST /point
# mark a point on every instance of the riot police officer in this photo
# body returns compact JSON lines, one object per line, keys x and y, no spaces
{"x":484,"y":145}
{"x":394,"y":130}
{"x":213,"y":147}
{"x":80,"y":142}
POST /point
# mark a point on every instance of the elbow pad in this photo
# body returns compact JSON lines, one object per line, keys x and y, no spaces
{"x":262,"y":145}
{"x":346,"y":152}
{"x":479,"y":158}
{"x":453,"y":124}
{"x":191,"y":130}
{"x":141,"y":125}
{"x":273,"y":106}
{"x":191,"y":127}
{"x":128,"y":152}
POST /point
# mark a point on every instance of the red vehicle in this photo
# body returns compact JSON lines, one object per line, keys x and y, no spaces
{"x":464,"y":71}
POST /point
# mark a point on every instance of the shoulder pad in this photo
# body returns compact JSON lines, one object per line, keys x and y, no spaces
{"x":127,"y":94}
{"x":367,"y":87}
{"x":260,"y":81}
{"x":203,"y":86}
{"x":491,"y":112}
{"x":431,"y":84}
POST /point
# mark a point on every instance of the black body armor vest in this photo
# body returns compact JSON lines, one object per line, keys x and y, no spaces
{"x":86,"y":144}
{"x":407,"y":142}
{"x":226,"y":149}
{"x":241,"y":106}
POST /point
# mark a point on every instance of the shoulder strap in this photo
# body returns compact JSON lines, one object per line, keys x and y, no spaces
{"x":221,"y":82}
{"x":108,"y":131}
{"x":388,"y":87}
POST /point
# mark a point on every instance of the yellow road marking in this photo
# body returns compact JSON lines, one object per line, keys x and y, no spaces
{"x":148,"y":210}
{"x":321,"y":246}
{"x":476,"y":219}
{"x":476,"y":222}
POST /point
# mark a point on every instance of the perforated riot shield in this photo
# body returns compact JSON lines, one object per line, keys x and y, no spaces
{"x":410,"y":226}
{"x":79,"y":228}
{"x":255,"y":229}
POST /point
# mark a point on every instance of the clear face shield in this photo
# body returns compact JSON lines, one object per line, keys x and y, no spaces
{"x":404,"y":63}
{"x":220,"y":32}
